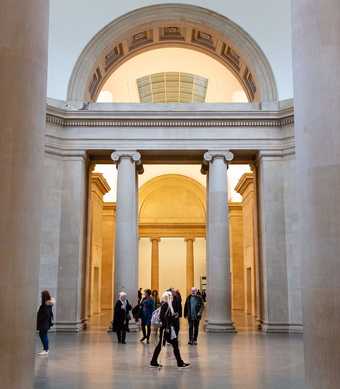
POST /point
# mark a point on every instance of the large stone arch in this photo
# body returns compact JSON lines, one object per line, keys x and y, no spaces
{"x":172,"y":199}
{"x":176,"y":25}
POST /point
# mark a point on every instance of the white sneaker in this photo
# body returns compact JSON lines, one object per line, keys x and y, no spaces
{"x":43,"y":353}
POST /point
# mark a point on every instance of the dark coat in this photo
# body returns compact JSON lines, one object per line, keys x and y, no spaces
{"x":147,"y":308}
{"x":44,"y":317}
{"x":199,"y":307}
{"x":121,"y":316}
{"x":177,"y":305}
{"x":166,"y":317}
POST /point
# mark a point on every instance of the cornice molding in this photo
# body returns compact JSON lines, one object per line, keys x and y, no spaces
{"x":244,"y":182}
{"x":99,"y":181}
{"x":164,"y":117}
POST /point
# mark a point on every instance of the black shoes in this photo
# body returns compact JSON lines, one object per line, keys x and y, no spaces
{"x":143,"y":338}
{"x":155,"y":365}
{"x":190,"y":342}
{"x":184,"y":365}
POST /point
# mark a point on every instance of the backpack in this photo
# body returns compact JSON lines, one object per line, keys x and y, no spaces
{"x":156,"y":318}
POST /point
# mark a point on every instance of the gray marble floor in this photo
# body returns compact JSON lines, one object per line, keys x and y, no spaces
{"x":249,"y":359}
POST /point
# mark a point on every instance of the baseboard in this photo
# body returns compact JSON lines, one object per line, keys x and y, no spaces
{"x":281,"y":328}
{"x":70,"y":327}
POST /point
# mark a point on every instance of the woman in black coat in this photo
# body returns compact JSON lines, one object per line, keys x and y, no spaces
{"x":45,"y":320}
{"x":121,"y":317}
{"x":167,"y":332}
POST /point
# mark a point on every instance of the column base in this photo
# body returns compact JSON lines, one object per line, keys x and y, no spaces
{"x":213,"y":327}
{"x":281,"y":328}
{"x":133,"y":327}
{"x":70,"y":327}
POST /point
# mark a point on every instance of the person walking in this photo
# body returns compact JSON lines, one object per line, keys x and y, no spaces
{"x":146,"y":311}
{"x":45,"y":320}
{"x":167,"y":332}
{"x":193,"y":310}
{"x":121,"y":317}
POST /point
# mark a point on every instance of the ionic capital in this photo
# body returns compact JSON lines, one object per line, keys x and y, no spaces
{"x":134,"y":157}
{"x":227,"y":156}
{"x":210,"y":156}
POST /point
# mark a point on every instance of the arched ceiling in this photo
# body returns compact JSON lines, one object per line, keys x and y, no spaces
{"x":222,"y":85}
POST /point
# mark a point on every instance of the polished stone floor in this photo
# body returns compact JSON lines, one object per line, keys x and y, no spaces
{"x":248,"y":360}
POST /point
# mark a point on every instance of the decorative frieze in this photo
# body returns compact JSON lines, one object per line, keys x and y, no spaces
{"x":203,"y":39}
{"x":113,"y":56}
{"x":140,"y":122}
{"x":182,"y":34}
{"x":249,"y":82}
{"x":95,"y":82}
{"x":141,"y":39}
{"x":231,"y":57}
{"x":174,"y":33}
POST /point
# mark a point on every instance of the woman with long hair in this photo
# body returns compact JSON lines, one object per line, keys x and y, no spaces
{"x":167,"y":332}
{"x":147,"y":307}
{"x":45,"y":320}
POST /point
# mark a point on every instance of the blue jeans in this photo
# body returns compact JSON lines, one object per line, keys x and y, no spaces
{"x":44,"y":339}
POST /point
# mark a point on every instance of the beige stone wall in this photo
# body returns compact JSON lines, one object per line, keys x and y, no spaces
{"x":99,"y":187}
{"x":108,"y":229}
{"x":246,"y":187}
{"x":236,"y":255}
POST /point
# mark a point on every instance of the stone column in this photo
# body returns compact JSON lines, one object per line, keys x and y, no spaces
{"x":275,"y":306}
{"x":71,"y":298}
{"x":126,"y":248}
{"x":190,"y":264}
{"x":316,"y":40}
{"x":23,"y":74}
{"x":218,"y":259}
{"x":155,"y":263}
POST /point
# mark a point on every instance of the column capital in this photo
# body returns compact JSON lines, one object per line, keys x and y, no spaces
{"x":210,"y":156}
{"x":155,"y":238}
{"x":227,"y":155}
{"x":133,"y":155}
{"x":189,"y":238}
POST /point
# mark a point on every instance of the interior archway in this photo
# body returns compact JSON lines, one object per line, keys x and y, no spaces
{"x":172,"y":25}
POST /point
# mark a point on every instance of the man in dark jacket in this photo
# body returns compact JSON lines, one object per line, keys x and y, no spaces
{"x":193,"y":310}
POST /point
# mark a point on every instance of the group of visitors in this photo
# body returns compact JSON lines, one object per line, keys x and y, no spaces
{"x":164,"y":314}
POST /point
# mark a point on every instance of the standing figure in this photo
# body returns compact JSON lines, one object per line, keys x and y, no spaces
{"x":193,"y":310}
{"x":167,"y":332}
{"x":139,"y":295}
{"x":155,"y":298}
{"x":121,"y":317}
{"x":204,"y":296}
{"x":45,"y":320}
{"x":177,"y":306}
{"x":146,"y":311}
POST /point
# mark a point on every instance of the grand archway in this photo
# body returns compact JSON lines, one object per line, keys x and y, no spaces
{"x":172,"y":25}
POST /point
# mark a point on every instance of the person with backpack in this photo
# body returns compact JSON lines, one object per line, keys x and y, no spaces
{"x":121,"y":317}
{"x":193,"y":310}
{"x":45,"y":320}
{"x":164,"y":318}
{"x":147,"y":306}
